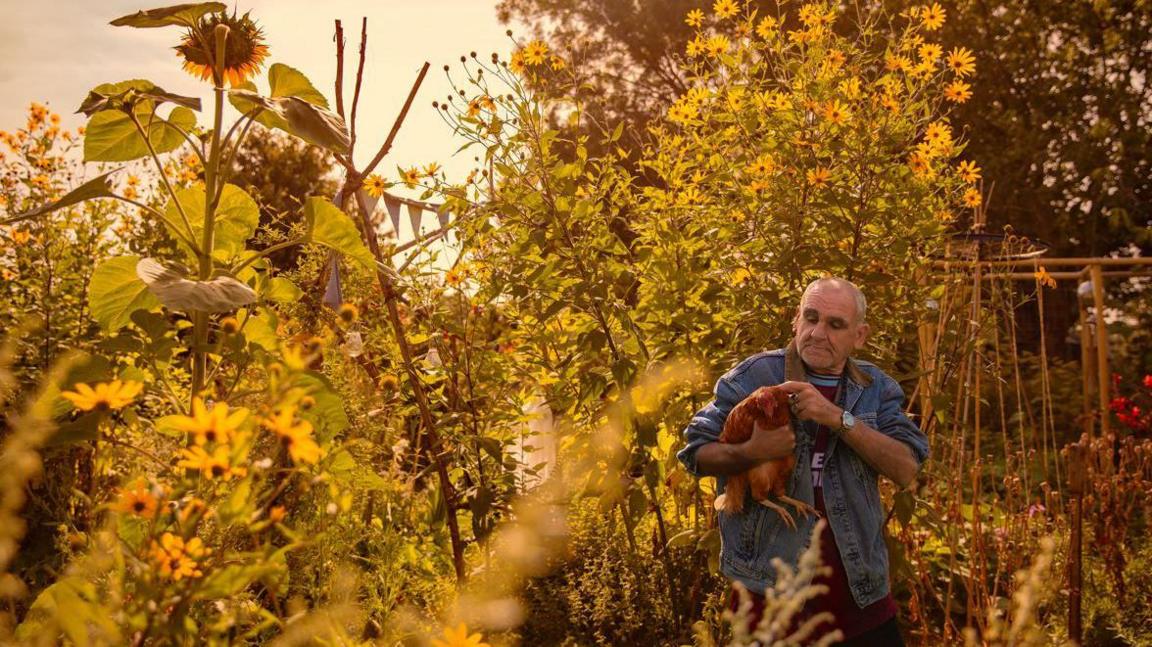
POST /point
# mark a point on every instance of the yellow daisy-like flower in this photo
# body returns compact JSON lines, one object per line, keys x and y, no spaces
{"x":968,"y":171}
{"x":177,"y":559}
{"x":683,"y":112}
{"x":375,"y":185}
{"x":136,"y":500}
{"x":932,"y":16}
{"x":410,"y":177}
{"x":836,"y":112}
{"x":695,"y":18}
{"x":295,"y":436}
{"x":961,"y":61}
{"x":244,"y":51}
{"x":1044,"y":278}
{"x":938,"y":136}
{"x":725,"y":8}
{"x":517,"y":62}
{"x":536,"y":53}
{"x":104,"y":396}
{"x":930,"y":52}
{"x":558,"y":63}
{"x":459,"y":637}
{"x":921,"y":166}
{"x":348,"y":313}
{"x":818,"y":177}
{"x":766,"y":29}
{"x":431,"y":169}
{"x":896,"y":63}
{"x":850,"y":88}
{"x":454,"y":277}
{"x":217,"y":425}
{"x":21,"y":237}
{"x":971,"y":198}
{"x":763,"y":165}
{"x":695,"y":47}
{"x":215,"y":465}
{"x":958,"y":92}
{"x":717,"y":45}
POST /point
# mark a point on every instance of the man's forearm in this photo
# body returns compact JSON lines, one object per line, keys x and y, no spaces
{"x":885,"y":454}
{"x":723,"y":459}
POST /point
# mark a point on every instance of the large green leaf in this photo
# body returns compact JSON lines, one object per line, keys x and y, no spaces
{"x":115,"y":292}
{"x":329,"y":226}
{"x":236,"y":219}
{"x":181,"y":14}
{"x":126,"y":94}
{"x":112,"y":137}
{"x":98,"y":187}
{"x":295,"y":116}
{"x":285,"y":81}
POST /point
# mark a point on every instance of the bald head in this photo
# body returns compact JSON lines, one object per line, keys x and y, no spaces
{"x":840,"y":285}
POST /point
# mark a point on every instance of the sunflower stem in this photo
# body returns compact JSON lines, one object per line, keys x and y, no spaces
{"x":167,"y":185}
{"x":200,"y":318}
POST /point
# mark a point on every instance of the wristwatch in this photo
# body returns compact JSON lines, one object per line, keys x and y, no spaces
{"x":847,"y":421}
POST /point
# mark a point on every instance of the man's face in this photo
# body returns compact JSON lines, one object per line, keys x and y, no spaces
{"x":827,"y":330}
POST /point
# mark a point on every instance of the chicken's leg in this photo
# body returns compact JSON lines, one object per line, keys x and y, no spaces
{"x":801,"y":507}
{"x":788,"y":520}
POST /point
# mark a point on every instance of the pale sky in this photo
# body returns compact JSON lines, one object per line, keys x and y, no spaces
{"x":53,"y":51}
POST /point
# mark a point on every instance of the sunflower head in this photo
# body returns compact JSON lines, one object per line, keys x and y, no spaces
{"x":244,"y":49}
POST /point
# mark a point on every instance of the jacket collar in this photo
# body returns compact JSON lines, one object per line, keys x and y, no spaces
{"x":794,"y":368}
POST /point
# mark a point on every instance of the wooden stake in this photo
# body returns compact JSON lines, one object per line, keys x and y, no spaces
{"x":1102,"y":368}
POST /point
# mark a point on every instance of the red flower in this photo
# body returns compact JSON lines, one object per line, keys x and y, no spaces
{"x":1148,"y":381}
{"x":1119,"y":404}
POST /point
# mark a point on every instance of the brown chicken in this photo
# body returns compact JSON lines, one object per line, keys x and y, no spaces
{"x":769,"y":406}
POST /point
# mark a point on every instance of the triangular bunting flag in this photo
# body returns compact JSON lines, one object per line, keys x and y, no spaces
{"x":393,"y":207}
{"x":414,"y":214}
{"x":333,"y":297}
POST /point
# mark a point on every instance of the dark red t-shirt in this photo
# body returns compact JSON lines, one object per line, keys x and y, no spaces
{"x":850,"y":619}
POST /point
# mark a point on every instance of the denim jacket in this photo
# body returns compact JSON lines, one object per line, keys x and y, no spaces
{"x":751,"y":539}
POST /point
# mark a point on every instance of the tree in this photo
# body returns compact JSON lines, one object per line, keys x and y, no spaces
{"x":276,"y":169}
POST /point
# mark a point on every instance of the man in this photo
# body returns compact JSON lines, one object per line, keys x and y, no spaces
{"x":848,"y":426}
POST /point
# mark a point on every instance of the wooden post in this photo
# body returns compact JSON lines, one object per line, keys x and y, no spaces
{"x":1102,"y":368}
{"x":1087,"y":368}
{"x":1077,"y":476}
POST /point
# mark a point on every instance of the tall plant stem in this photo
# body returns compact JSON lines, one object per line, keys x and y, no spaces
{"x":199,"y":318}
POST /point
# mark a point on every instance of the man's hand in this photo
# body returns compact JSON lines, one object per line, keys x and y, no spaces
{"x":768,"y":444}
{"x":808,"y":404}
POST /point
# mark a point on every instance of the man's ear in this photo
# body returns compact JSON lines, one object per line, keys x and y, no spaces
{"x":862,"y":335}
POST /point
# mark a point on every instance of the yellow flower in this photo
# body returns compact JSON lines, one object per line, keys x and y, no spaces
{"x":295,"y":436}
{"x":896,"y":63}
{"x":958,"y":92}
{"x":814,"y":15}
{"x":375,"y":185}
{"x":921,"y":166}
{"x":818,"y":177}
{"x":517,"y":62}
{"x":961,"y":61}
{"x":932,"y":17}
{"x":763,"y":165}
{"x":410,"y":177}
{"x":930,"y":52}
{"x":459,"y":637}
{"x":176,"y":558}
{"x":695,"y":18}
{"x":558,"y":63}
{"x":454,"y":277}
{"x":348,"y":313}
{"x":137,"y":500}
{"x":682,"y":112}
{"x":130,"y":192}
{"x":21,"y":237}
{"x":215,"y":426}
{"x":1044,"y":278}
{"x":836,"y":112}
{"x":244,"y":51}
{"x":431,"y":169}
{"x":536,"y":53}
{"x":767,"y":28}
{"x":717,"y":45}
{"x":218,"y":464}
{"x":695,"y":47}
{"x":105,"y":396}
{"x":939,"y":136}
{"x":132,"y":180}
{"x":968,"y":171}
{"x":725,"y":8}
{"x":689,"y":196}
{"x":971,"y":198}
{"x":850,"y":88}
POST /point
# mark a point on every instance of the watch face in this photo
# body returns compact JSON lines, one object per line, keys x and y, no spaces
{"x":847,"y":421}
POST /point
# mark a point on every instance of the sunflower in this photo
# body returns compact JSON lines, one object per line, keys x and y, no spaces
{"x":244,"y":49}
{"x":295,"y":436}
{"x":375,"y":185}
{"x":932,"y":17}
{"x":968,"y":171}
{"x":836,"y":112}
{"x":105,"y":396}
{"x":818,"y":177}
{"x":695,"y":18}
{"x":459,"y":636}
{"x":410,"y":177}
{"x":136,"y":500}
{"x":216,"y":425}
{"x":961,"y":61}
{"x":958,"y":92}
{"x":725,"y":8}
{"x":971,"y":198}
